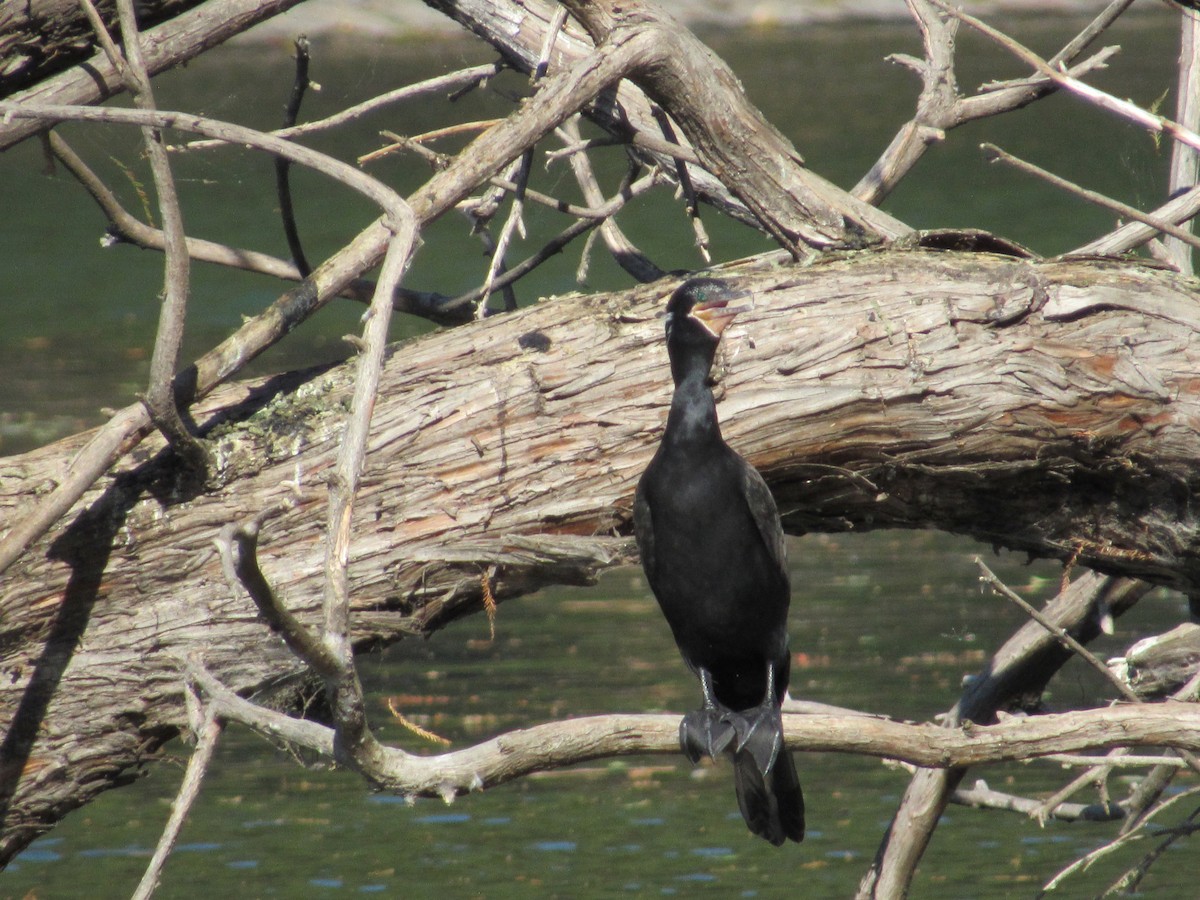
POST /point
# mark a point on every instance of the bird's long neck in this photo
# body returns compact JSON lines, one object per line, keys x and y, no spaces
{"x":693,"y":415}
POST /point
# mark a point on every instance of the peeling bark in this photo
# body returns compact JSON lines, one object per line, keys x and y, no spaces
{"x":1047,"y":406}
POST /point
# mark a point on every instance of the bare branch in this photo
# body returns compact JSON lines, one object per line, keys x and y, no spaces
{"x":513,"y":223}
{"x":1019,"y":669}
{"x":1122,"y":108}
{"x":208,"y":733}
{"x":981,"y":796}
{"x":1185,"y":161}
{"x":628,"y":256}
{"x":128,"y":427}
{"x":125,"y":227}
{"x":1134,"y":234}
{"x":482,"y":158}
{"x":1129,"y":881}
{"x":160,"y":398}
{"x":241,"y":568}
{"x":989,"y":577}
{"x":557,"y":744}
{"x":1088,"y":859}
{"x":940,"y":107}
{"x":282,"y":166}
{"x":556,"y":244}
{"x":552,"y":32}
{"x":997,"y":155}
{"x":463,"y":78}
{"x":419,"y":140}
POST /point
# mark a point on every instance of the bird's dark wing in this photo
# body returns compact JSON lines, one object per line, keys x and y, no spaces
{"x":643,"y":529}
{"x":766,"y":516}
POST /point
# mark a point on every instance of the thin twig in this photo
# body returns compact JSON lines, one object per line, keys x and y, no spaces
{"x":208,"y":734}
{"x":402,"y":143}
{"x":1084,"y":862}
{"x":981,"y":796}
{"x":989,"y":577}
{"x":283,"y":187}
{"x":1131,"y":112}
{"x":513,"y":223}
{"x":471,"y":76}
{"x":108,"y":46}
{"x":552,"y":31}
{"x":995,"y":154}
{"x":416,"y":729}
{"x":160,"y":399}
{"x":1129,"y":761}
{"x":623,"y":250}
{"x":685,"y":183}
{"x":504,"y":285}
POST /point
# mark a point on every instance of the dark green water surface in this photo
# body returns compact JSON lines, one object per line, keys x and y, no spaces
{"x":886,"y":622}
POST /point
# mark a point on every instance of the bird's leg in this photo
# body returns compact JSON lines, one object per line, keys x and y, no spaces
{"x":760,"y":730}
{"x":706,"y":730}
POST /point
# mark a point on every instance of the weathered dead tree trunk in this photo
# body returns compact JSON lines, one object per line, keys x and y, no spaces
{"x":1156,"y":666}
{"x":1047,"y":406}
{"x":44,"y":37}
{"x":41,"y":37}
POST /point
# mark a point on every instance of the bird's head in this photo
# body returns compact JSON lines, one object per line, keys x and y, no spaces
{"x":700,"y":309}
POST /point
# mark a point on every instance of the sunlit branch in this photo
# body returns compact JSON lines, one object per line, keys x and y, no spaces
{"x":1130,"y":212}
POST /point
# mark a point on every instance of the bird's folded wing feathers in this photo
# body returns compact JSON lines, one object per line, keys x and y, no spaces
{"x":766,"y":516}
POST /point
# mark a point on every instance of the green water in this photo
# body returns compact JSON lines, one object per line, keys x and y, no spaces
{"x":884,"y":622}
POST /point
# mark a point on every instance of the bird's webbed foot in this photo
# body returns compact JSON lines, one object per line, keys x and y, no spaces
{"x":760,"y":730}
{"x":760,"y":733}
{"x":705,"y":732}
{"x":708,"y":730}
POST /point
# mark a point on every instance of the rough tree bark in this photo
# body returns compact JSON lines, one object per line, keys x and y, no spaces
{"x":989,"y":395}
{"x":41,"y":37}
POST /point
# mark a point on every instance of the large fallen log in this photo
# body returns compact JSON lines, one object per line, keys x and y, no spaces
{"x":1046,"y":406}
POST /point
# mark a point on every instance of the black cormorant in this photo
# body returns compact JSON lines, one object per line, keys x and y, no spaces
{"x":713,"y":550}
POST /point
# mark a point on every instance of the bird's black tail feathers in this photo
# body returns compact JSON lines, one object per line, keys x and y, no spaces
{"x":771,"y":804}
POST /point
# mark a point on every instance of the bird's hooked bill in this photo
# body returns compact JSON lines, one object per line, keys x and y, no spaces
{"x":716,"y":314}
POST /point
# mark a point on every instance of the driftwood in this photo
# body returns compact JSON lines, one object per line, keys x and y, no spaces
{"x":1157,"y":666}
{"x":983,"y":394}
